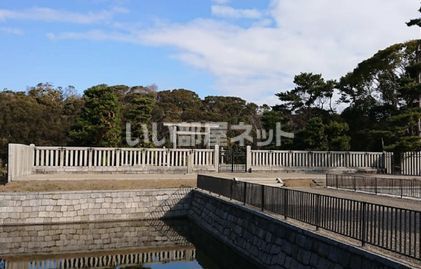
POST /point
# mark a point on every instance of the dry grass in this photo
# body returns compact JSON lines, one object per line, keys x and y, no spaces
{"x":40,"y":186}
{"x":305,"y":182}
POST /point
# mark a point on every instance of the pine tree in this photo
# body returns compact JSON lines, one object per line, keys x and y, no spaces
{"x":99,"y":123}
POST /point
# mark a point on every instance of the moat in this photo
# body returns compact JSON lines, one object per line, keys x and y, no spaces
{"x":130,"y":244}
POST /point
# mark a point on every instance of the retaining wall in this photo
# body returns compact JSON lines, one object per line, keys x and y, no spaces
{"x":92,"y":206}
{"x":267,"y":241}
{"x":276,"y":244}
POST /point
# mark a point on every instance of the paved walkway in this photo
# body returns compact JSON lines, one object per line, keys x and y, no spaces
{"x":371,"y":198}
{"x":270,"y":180}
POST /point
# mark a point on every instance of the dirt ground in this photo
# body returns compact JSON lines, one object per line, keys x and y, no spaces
{"x":76,"y":185}
{"x":305,"y":182}
{"x":39,"y":186}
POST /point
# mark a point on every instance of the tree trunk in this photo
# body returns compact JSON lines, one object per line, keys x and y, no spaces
{"x":418,"y":57}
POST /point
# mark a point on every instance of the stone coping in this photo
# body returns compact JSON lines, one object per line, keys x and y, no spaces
{"x":92,"y":191}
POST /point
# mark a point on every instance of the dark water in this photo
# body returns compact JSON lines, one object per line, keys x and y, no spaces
{"x":135,"y":244}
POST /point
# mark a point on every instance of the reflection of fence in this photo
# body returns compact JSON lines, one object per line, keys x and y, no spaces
{"x":390,"y":228}
{"x":107,"y":261}
{"x":275,"y":159}
{"x":396,"y":186}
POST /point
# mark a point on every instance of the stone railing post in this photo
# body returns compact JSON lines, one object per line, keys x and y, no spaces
{"x":11,"y":162}
{"x":216,"y":158}
{"x":31,"y":158}
{"x":20,"y":161}
{"x":248,"y":158}
{"x":61,"y":157}
{"x":190,"y":162}
{"x":117,"y":157}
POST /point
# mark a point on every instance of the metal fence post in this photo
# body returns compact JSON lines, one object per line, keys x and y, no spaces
{"x":245,"y":193}
{"x":231,"y":188}
{"x":363,"y":223}
{"x":232,"y":160}
{"x":285,"y":203}
{"x":318,"y":211}
{"x":401,"y":183}
{"x":419,"y":237}
{"x":263,"y":197}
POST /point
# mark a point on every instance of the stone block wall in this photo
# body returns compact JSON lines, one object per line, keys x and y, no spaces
{"x":86,"y":237}
{"x":276,"y":244}
{"x":91,"y":206}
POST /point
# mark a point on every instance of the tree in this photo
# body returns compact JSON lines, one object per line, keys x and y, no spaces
{"x":416,"y":68}
{"x":270,"y":116}
{"x":177,"y":105}
{"x":139,"y":103}
{"x":99,"y":123}
{"x":378,"y":90}
{"x":313,"y":137}
{"x":42,"y":115}
{"x":311,"y":91}
{"x":337,"y":135}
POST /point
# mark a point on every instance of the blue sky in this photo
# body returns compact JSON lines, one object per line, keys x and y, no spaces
{"x":247,"y":48}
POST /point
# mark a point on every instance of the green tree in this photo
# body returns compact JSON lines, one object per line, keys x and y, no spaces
{"x":42,"y":115}
{"x":313,"y":137}
{"x":337,"y":135}
{"x":99,"y":123}
{"x":139,"y":103}
{"x":379,"y":90}
{"x":311,"y":91}
{"x":177,"y":105}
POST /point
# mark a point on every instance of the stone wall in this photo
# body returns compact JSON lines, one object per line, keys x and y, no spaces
{"x":89,"y":206}
{"x":87,"y":237}
{"x":276,"y":244}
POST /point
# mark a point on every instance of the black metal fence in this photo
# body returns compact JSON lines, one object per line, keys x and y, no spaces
{"x":232,"y":160}
{"x":394,"y":229}
{"x":395,"y":186}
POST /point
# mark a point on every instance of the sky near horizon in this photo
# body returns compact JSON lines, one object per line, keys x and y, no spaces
{"x":246,"y":48}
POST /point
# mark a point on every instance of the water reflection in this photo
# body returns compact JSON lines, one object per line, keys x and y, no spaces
{"x":135,"y":244}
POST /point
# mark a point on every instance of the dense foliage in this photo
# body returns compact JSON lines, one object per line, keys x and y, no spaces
{"x":375,"y":107}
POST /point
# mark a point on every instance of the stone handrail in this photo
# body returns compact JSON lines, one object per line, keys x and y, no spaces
{"x":275,"y":159}
{"x":25,"y":160}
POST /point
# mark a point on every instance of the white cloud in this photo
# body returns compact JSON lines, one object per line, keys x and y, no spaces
{"x":254,"y":62}
{"x":96,"y":35}
{"x":221,"y":2}
{"x":230,"y":12}
{"x":323,"y":36}
{"x":11,"y":30}
{"x":54,"y":15}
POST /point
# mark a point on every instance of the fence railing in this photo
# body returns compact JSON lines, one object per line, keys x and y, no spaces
{"x":274,"y":159}
{"x":411,"y":163}
{"x":395,"y":186}
{"x":26,"y":160}
{"x":67,"y":158}
{"x":391,"y":228}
